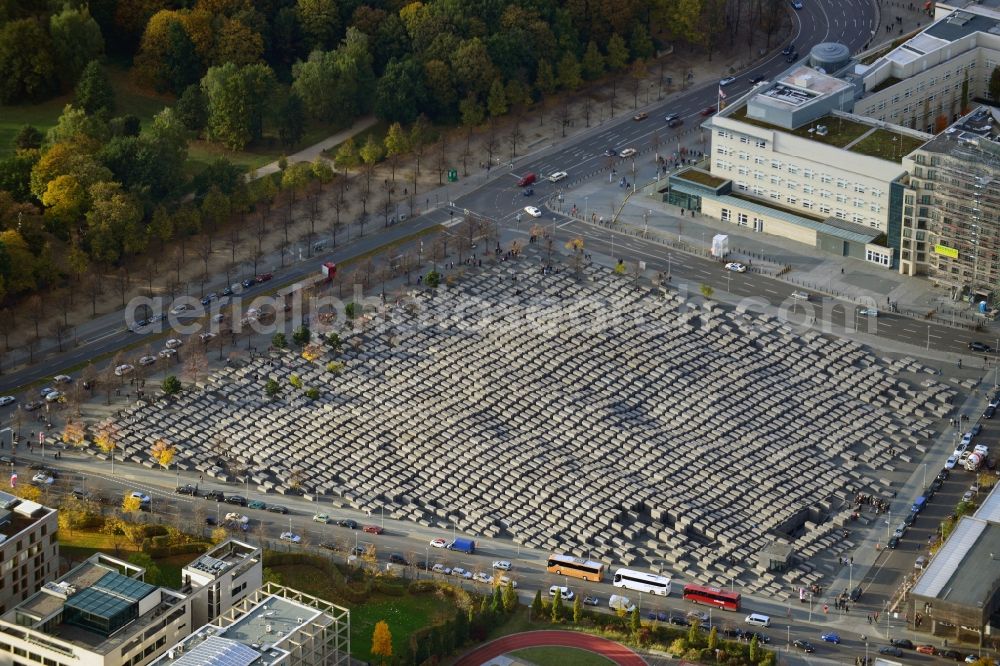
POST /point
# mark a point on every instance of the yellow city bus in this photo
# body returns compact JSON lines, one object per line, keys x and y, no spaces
{"x":567,"y":565}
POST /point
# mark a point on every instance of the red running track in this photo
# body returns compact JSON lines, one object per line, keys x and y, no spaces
{"x":616,"y":652}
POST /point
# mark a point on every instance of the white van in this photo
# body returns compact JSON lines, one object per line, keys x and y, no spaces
{"x":618,"y":602}
{"x":758,"y":620}
{"x":800,"y":295}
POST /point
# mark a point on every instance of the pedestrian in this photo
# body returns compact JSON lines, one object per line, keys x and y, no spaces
{"x":841,"y":270}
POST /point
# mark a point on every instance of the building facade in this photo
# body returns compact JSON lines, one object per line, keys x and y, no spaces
{"x":951,"y":213}
{"x":29,"y":549}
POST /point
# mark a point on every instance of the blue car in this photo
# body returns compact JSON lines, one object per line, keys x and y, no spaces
{"x":831,"y":638}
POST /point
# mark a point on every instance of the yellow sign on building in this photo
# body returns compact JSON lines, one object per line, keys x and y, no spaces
{"x":946,"y":251}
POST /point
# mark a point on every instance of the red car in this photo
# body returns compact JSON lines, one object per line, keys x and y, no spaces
{"x":708,"y":110}
{"x":264,"y":277}
{"x":926,"y":649}
{"x":373,"y":529}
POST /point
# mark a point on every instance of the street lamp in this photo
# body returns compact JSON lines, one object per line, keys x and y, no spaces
{"x":586,"y":209}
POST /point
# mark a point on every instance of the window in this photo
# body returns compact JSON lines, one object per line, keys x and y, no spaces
{"x":758,"y":191}
{"x":744,"y":155}
{"x":840,"y":214}
{"x":841,"y":183}
{"x":823,"y":208}
{"x":741,"y":219}
{"x":857,"y":219}
{"x":807,"y":173}
{"x":808,"y":205}
{"x":725,"y":214}
{"x":775,"y":180}
{"x":793,"y":170}
{"x":825,"y":194}
{"x":859,"y":188}
{"x":792,"y":185}
{"x":841,"y":198}
{"x":879,"y":258}
{"x":758,"y":160}
{"x":743,"y":171}
{"x":757,"y":175}
{"x":760,"y":143}
{"x":825,"y":178}
{"x":744,"y":139}
{"x":808,"y":189}
{"x":791,"y":200}
{"x":859,"y":203}
{"x":775,"y":164}
{"x":776,"y":195}
{"x":741,"y":186}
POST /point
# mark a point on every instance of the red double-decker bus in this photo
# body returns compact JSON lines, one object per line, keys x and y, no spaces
{"x":712,"y":596}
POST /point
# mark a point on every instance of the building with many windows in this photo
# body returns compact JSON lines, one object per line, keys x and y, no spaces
{"x":951,"y":211}
{"x":103,"y":613}
{"x":29,"y":552}
{"x":821,"y":154}
{"x":274,"y":626}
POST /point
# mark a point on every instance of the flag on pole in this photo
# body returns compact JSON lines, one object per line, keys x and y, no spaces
{"x":13,"y":479}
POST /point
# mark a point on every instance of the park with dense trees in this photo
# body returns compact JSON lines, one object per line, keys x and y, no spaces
{"x":91,"y":197}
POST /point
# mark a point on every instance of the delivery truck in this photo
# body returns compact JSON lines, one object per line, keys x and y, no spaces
{"x":463,"y":545}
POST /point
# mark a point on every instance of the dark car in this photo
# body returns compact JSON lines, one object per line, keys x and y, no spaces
{"x":952,"y":654}
{"x":277,"y":508}
{"x":904,"y":643}
{"x":7,"y":460}
{"x":610,"y":152}
{"x":38,"y":466}
{"x":423,"y":565}
{"x":528,"y":192}
{"x":942,"y":475}
{"x":791,"y":57}
{"x":676,"y":122}
{"x":264,"y":277}
{"x":708,"y":110}
{"x":591,"y":600}
{"x":932,"y":489}
{"x":733,"y":632}
{"x":329,"y":545}
{"x":757,"y":79}
{"x":678,"y":620}
{"x":32,"y":405}
{"x":976,"y":429}
{"x":210,"y":521}
{"x":891,"y":650}
{"x":910,"y":517}
{"x":358,"y":550}
{"x":216,"y":495}
{"x":805,"y":646}
{"x":977,"y":346}
{"x":990,"y":411}
{"x":788,"y":49}
{"x":396,"y":558}
{"x":748,"y":636}
{"x":672,"y":116}
{"x":238,"y":500}
{"x":228,"y":291}
{"x":249,"y":282}
{"x":349,"y":524}
{"x":856,"y":593}
{"x":893,"y":542}
{"x":187,"y":489}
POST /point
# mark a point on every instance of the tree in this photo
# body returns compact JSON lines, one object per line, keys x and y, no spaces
{"x":279,"y":341}
{"x":27,"y":138}
{"x":706,"y":290}
{"x":545,"y":78}
{"x":29,"y":70}
{"x":272,"y":388}
{"x":76,"y":40}
{"x":320,"y":21}
{"x":617,"y":53}
{"x":569,"y":72}
{"x":496,"y":102}
{"x":291,"y":118}
{"x":713,"y":638}
{"x":131,"y":504}
{"x":371,"y":153}
{"x":346,"y":156}
{"x":536,"y":605}
{"x":163,"y":452}
{"x":994,"y":85}
{"x":635,"y":622}
{"x":395,"y":145}
{"x":592,"y":65}
{"x":94,"y":93}
{"x":509,"y":596}
{"x":237,"y":100}
{"x":301,"y":335}
{"x":557,"y":606}
{"x":401,"y":92}
{"x":171,"y":385}
{"x":694,"y":633}
{"x":192,"y":108}
{"x":577,"y":610}
{"x":152,"y":574}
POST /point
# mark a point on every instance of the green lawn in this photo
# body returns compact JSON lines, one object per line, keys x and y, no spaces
{"x":556,"y":656}
{"x":42,"y":116}
{"x":403,"y":614}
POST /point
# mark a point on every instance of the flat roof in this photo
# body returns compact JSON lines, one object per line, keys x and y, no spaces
{"x":949,"y":578}
{"x":223,"y":557}
{"x":961,"y":23}
{"x":17,"y":515}
{"x":979,"y":129}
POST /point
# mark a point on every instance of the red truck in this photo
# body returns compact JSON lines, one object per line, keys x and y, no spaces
{"x":527,"y":179}
{"x":329,"y":270}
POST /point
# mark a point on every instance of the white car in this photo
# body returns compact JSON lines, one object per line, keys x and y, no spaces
{"x":234,"y":517}
{"x":167,"y":353}
{"x":532,"y":211}
{"x":461,"y":573}
{"x":482,"y":577}
{"x":142,"y":497}
{"x":439,"y":543}
{"x":967,"y":497}
{"x":951,"y":462}
{"x":502,"y":564}
{"x":174,"y":343}
{"x":62,"y":379}
{"x":441,"y":569}
{"x":868,"y":312}
{"x":207,"y":336}
{"x":800,"y":295}
{"x":290,"y":537}
{"x":6,"y":400}
{"x":43,"y":477}
{"x":726,"y":81}
{"x":53,"y":396}
{"x":178,"y":309}
{"x":124,"y":369}
{"x":147,"y":360}
{"x":557,"y":176}
{"x":564,"y":592}
{"x":735,"y":266}
{"x":629,"y":152}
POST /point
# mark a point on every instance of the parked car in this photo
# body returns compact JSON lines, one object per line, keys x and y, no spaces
{"x":461,"y":573}
{"x":238,"y":500}
{"x":186,"y":489}
{"x":62,"y":379}
{"x":328,"y":545}
{"x":249,"y":282}
{"x":502,"y":564}
{"x":147,"y":360}
{"x":977,"y":346}
{"x":7,"y":400}
{"x":441,"y":569}
{"x":43,"y":478}
{"x":349,"y":524}
{"x":904,"y":643}
{"x":264,"y":277}
{"x":256,"y":504}
{"x":276,"y":508}
{"x":736,"y":267}
{"x":640,"y":116}
{"x":167,"y":353}
{"x":321,"y":518}
{"x":397,"y":558}
{"x":142,"y":497}
{"x":926,"y":649}
{"x":727,"y":80}
{"x":590,"y":600}
{"x":372,"y":529}
{"x":174,"y":343}
{"x":216,"y":495}
{"x":989,"y":412}
{"x":290,"y":537}
{"x":564,"y":592}
{"x":893,"y":543}
{"x":952,"y":654}
{"x":439,"y":543}
{"x":891,"y":650}
{"x":483,"y":577}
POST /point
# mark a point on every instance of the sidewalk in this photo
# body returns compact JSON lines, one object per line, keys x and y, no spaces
{"x":309,"y":153}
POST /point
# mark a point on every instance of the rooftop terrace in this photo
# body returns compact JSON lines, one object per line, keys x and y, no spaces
{"x":839,"y":131}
